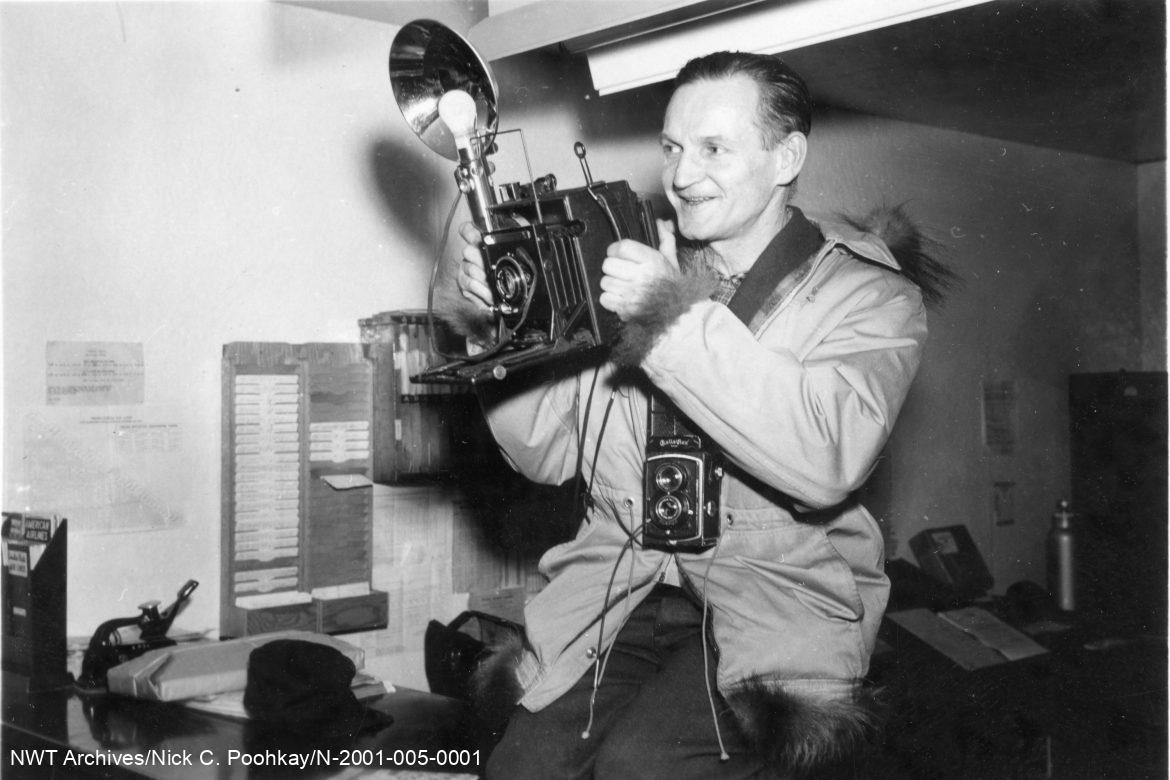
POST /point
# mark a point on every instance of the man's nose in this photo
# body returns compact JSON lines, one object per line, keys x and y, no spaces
{"x":687,"y":171}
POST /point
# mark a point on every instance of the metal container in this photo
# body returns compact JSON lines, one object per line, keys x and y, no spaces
{"x":1062,"y":558}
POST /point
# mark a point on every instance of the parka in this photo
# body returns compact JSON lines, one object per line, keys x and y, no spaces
{"x":801,"y":400}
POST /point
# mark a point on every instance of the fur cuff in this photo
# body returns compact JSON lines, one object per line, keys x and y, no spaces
{"x":495,"y":689}
{"x":797,"y":735}
{"x":664,"y":303}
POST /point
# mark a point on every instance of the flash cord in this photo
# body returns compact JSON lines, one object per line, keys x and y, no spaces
{"x":432,"y":345}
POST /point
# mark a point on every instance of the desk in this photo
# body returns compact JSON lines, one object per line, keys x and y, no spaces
{"x":1087,"y":709}
{"x":1085,"y":713}
{"x":171,"y":741}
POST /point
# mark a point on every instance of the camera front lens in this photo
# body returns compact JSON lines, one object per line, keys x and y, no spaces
{"x":669,"y":477}
{"x":667,"y":510}
{"x":510,"y":281}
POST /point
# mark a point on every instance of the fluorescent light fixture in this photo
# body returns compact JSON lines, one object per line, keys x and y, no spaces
{"x":764,"y":28}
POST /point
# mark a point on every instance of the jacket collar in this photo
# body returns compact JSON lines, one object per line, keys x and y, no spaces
{"x":864,"y":244}
{"x":796,"y":242}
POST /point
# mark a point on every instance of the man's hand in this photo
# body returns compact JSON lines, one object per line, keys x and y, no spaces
{"x":631,"y":270}
{"x":472,"y":279}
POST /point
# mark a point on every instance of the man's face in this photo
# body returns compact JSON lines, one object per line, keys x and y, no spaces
{"x":724,"y":185}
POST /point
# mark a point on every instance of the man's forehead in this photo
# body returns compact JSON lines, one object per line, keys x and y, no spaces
{"x":713,"y":107}
{"x":737,"y":88}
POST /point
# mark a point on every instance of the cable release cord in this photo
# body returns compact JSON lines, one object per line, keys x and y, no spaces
{"x":609,"y":215}
{"x":579,"y":150}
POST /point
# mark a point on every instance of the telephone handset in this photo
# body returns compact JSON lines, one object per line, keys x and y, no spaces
{"x":949,"y":555}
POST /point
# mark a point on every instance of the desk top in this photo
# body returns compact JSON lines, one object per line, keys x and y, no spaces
{"x":115,"y":736}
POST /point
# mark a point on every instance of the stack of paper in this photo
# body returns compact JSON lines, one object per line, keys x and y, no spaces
{"x":971,"y":637}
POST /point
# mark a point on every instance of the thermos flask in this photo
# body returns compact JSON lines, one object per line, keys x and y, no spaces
{"x":1062,"y":558}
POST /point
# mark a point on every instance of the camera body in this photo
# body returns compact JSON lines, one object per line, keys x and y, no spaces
{"x":680,"y":484}
{"x":543,"y":255}
{"x":543,"y":261}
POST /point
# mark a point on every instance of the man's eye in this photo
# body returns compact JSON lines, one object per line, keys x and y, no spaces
{"x":670,"y":150}
{"x":714,"y":150}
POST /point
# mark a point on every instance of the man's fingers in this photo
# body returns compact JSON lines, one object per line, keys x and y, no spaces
{"x":472,"y":278}
{"x":610,"y":302}
{"x":472,"y":263}
{"x":470,"y":233}
{"x":667,"y":243}
{"x":619,"y":268}
{"x":628,"y":249}
{"x":612,"y":284}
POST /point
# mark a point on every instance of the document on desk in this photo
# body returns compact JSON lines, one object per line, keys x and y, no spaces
{"x":993,"y":632}
{"x":969,"y":637}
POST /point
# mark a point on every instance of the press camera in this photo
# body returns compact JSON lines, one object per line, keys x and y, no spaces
{"x":542,"y":246}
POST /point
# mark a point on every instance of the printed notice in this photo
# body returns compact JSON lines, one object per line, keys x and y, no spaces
{"x":118,"y":468}
{"x":999,"y":417}
{"x":94,"y":373}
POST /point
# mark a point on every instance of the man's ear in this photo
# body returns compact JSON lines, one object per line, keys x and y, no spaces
{"x":790,"y":154}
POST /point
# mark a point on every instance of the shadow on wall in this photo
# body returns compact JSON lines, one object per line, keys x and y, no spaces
{"x":560,"y":83}
{"x":513,"y":515}
{"x":409,"y":183}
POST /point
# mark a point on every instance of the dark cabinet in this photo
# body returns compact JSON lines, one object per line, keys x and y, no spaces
{"x":1119,"y":467}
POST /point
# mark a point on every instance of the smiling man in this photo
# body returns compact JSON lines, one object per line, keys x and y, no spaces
{"x":790,"y":347}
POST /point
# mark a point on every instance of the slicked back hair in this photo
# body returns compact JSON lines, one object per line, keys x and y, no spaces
{"x":785,"y":104}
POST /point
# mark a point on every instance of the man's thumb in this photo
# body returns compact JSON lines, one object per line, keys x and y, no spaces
{"x":666,"y":241}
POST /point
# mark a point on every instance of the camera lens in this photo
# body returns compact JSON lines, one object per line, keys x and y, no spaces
{"x":669,"y":477}
{"x":511,"y":281}
{"x":667,"y":510}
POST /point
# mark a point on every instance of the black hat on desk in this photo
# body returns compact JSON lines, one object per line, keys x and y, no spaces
{"x":305,"y":688}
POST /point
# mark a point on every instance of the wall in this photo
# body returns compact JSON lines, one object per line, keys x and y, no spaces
{"x":188,"y":175}
{"x":183,"y":176}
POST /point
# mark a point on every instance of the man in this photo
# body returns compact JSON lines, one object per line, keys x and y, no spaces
{"x":792,"y":346}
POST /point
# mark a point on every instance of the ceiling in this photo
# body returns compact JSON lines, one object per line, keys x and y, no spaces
{"x":1084,"y":76}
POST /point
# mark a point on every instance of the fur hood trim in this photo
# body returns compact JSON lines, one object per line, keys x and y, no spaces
{"x":495,"y":688}
{"x":915,"y":251}
{"x":798,"y":735}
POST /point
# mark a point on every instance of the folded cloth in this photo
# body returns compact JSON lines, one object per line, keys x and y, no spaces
{"x":305,"y":688}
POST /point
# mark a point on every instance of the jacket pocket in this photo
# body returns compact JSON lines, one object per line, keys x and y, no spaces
{"x":798,"y":559}
{"x":784,"y":604}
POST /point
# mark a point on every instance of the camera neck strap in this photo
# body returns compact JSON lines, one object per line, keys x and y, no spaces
{"x":794,"y":244}
{"x":783,"y":255}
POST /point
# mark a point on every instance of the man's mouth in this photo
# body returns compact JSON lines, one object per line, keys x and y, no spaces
{"x":694,"y":200}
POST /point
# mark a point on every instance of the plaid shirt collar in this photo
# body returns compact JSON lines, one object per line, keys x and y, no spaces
{"x":727,"y":288}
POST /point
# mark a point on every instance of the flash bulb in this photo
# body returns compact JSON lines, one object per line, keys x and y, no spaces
{"x":457,"y":110}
